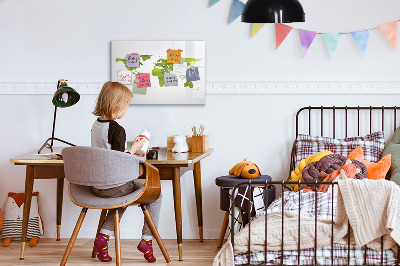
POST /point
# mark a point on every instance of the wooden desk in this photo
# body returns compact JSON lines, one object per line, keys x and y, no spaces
{"x":171,"y":167}
{"x":40,"y":167}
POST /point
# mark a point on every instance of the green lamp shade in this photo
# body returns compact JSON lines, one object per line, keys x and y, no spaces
{"x":65,"y":96}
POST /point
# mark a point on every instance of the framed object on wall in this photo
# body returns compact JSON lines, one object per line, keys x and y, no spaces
{"x":160,"y":72}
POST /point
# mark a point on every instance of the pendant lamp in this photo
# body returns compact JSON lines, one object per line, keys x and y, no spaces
{"x":64,"y":96}
{"x":273,"y":11}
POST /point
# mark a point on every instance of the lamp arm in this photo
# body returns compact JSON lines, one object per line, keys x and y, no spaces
{"x":54,"y":126}
{"x":54,"y":119}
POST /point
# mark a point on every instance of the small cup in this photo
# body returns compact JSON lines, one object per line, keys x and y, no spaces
{"x":152,"y":155}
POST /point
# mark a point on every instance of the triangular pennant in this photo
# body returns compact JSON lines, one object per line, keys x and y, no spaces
{"x":389,"y":30}
{"x":361,"y":37}
{"x":281,"y":31}
{"x":306,"y":39}
{"x":237,"y":9}
{"x":213,"y":2}
{"x":256,"y":28}
{"x":332,"y":41}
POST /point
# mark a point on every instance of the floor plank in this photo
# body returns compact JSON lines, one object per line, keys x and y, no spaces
{"x":49,"y":252}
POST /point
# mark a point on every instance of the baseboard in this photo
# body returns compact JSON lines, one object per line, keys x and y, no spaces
{"x":231,"y":87}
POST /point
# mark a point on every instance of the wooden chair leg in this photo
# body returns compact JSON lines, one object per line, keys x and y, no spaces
{"x":73,"y":237}
{"x":154,"y":230}
{"x":101,"y":222}
{"x":223,"y":229}
{"x":117,"y":238}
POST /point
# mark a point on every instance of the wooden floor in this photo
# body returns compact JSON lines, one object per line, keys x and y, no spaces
{"x":50,"y":252}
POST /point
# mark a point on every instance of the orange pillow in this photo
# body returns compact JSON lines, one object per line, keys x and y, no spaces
{"x":375,"y":170}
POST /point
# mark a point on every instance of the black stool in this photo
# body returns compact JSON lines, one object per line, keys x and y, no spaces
{"x":226,"y":183}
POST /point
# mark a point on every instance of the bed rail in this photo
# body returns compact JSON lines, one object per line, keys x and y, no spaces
{"x":265,"y":185}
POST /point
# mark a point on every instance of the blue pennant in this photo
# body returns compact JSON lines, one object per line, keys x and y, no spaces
{"x":361,"y":38}
{"x":237,"y":9}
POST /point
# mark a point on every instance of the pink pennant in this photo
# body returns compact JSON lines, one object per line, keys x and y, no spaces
{"x":281,"y":31}
{"x":306,"y":39}
{"x":389,"y":30}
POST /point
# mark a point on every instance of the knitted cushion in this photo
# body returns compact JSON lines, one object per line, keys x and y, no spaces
{"x":328,"y":164}
{"x":372,"y":144}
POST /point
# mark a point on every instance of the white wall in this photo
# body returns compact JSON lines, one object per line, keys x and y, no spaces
{"x":47,"y":40}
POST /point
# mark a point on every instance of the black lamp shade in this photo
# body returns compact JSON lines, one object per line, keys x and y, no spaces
{"x":273,"y":11}
{"x":65,"y":96}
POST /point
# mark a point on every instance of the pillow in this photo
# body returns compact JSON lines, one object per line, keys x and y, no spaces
{"x":375,"y":170}
{"x":329,"y":164}
{"x":393,"y":148}
{"x":372,"y":144}
{"x":296,"y":174}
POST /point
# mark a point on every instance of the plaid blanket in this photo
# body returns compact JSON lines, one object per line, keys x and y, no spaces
{"x":324,"y":257}
{"x":323,"y":205}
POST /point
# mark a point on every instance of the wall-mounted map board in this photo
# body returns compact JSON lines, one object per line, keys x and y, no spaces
{"x":160,"y":72}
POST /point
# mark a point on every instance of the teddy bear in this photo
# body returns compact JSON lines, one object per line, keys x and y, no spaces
{"x":245,"y":169}
{"x":13,"y":215}
{"x":180,"y":144}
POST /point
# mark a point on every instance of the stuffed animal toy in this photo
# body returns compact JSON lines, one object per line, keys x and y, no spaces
{"x":245,"y":169}
{"x":13,"y":215}
{"x":180,"y":144}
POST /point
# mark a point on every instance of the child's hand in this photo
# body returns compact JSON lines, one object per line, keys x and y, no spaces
{"x":137,"y":144}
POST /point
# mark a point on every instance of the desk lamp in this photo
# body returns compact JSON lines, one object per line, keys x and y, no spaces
{"x":64,"y":96}
{"x":273,"y":11}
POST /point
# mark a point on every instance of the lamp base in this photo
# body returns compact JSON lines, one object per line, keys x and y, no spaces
{"x":50,"y":146}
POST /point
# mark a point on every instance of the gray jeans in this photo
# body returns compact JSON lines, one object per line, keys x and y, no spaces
{"x":154,"y":208}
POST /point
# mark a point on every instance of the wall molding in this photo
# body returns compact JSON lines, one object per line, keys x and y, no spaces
{"x":232,"y":87}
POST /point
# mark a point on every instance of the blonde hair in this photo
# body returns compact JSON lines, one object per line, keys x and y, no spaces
{"x":112,"y":99}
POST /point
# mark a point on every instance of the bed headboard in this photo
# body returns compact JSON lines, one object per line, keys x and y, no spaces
{"x":344,"y":121}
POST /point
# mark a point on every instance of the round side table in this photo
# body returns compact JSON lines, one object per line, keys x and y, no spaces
{"x":226,"y":183}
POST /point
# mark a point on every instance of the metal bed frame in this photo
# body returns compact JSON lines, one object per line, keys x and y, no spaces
{"x":283,"y":184}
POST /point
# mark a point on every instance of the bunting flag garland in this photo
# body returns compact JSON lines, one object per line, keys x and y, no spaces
{"x":332,"y":41}
{"x":213,"y":2}
{"x":306,"y":39}
{"x":389,"y":30}
{"x":256,"y":28}
{"x":361,"y":37}
{"x":281,"y":31}
{"x":237,"y":9}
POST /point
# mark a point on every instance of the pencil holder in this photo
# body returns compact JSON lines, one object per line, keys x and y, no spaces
{"x":200,"y":143}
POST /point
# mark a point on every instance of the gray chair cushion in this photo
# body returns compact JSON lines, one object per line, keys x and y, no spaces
{"x":84,"y":196}
{"x":99,"y":167}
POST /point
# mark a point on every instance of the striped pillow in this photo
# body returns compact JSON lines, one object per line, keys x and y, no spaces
{"x":372,"y":145}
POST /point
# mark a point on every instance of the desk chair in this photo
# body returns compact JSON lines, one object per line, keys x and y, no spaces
{"x":85,"y":167}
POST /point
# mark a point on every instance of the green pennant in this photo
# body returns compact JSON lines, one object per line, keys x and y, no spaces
{"x":213,"y":2}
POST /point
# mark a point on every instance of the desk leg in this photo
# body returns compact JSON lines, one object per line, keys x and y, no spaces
{"x":60,"y":190}
{"x":176,"y":182}
{"x":199,"y":204}
{"x":27,"y":206}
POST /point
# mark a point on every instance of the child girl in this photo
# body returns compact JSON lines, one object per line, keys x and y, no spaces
{"x":112,"y":104}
